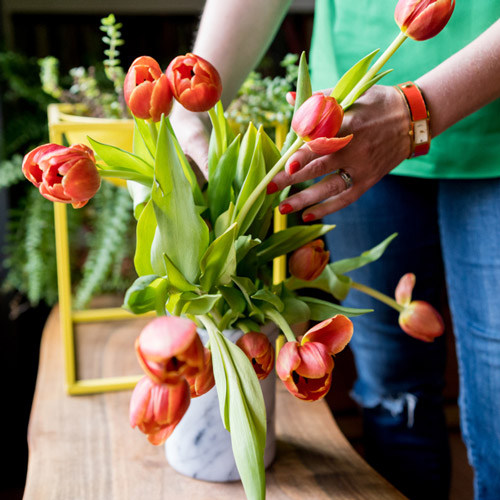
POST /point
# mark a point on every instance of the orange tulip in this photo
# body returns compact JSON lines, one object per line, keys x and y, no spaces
{"x":318,"y":121}
{"x":203,"y":381}
{"x":334,"y":333}
{"x":157,"y":408}
{"x":306,"y":370}
{"x":308,"y":262}
{"x":146,"y":90}
{"x":169,"y":348}
{"x":259,"y":351}
{"x":423,"y":19}
{"x":66,"y":175}
{"x":195,"y":83}
{"x":418,"y":318}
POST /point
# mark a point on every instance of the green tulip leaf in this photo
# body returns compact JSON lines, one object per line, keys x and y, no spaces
{"x":192,"y":303}
{"x":224,"y":221}
{"x":234,"y":298}
{"x":255,"y":174}
{"x":270,"y":297}
{"x":119,"y":160}
{"x":352,"y":76}
{"x":364,"y":88}
{"x":242,"y":410}
{"x":304,"y":91}
{"x":127,"y":175}
{"x":321,"y":309}
{"x":183,"y":234}
{"x":220,"y":180}
{"x":146,"y":228}
{"x":245,"y":156}
{"x":345,"y":265}
{"x":328,"y":281}
{"x":218,"y":264}
{"x":147,"y":293}
{"x":142,"y":134}
{"x":290,"y":239}
{"x":295,"y":311}
{"x":244,"y":244}
{"x":176,"y":278}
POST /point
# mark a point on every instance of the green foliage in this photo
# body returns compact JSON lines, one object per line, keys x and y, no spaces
{"x":112,"y":218}
{"x":10,"y":171}
{"x":100,"y":88}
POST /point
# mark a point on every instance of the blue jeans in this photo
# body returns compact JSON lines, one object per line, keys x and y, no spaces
{"x":449,"y":231}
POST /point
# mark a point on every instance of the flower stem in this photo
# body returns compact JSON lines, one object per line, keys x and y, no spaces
{"x":153,"y":131}
{"x":377,"y":295}
{"x":280,"y":321}
{"x":217,"y":131}
{"x":377,"y":66}
{"x":280,"y":164}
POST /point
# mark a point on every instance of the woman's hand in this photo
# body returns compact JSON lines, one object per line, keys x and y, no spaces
{"x":380,"y":123}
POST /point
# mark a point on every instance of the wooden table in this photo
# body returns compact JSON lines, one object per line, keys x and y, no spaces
{"x":82,"y":447}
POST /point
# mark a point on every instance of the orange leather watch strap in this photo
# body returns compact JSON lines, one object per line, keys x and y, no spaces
{"x":419,"y":115}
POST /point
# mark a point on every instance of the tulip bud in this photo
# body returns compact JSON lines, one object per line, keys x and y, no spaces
{"x":306,"y":370}
{"x":334,"y":333}
{"x":259,"y":351}
{"x":66,"y":175}
{"x":157,"y":408}
{"x":308,"y":262}
{"x":195,"y":83}
{"x":318,"y":121}
{"x":146,"y":90}
{"x":418,"y":318}
{"x":423,"y":19}
{"x":203,"y":381}
{"x":169,"y":348}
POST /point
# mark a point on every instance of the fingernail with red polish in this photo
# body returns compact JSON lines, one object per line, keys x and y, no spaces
{"x":293,"y":167}
{"x":285,"y":208}
{"x":308,"y":217}
{"x":272,"y":187}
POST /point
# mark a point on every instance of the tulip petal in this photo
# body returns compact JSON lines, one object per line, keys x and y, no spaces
{"x":334,"y":333}
{"x":324,"y":146}
{"x":404,"y":289}
{"x":422,"y":321}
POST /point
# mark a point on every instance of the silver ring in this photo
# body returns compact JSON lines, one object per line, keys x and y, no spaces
{"x":345,"y":177}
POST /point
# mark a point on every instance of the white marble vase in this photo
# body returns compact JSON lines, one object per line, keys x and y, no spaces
{"x":200,"y":446}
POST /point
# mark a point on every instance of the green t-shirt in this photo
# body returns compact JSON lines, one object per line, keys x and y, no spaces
{"x":347,"y":30}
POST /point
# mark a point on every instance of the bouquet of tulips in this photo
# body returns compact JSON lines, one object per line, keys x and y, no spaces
{"x":203,"y":255}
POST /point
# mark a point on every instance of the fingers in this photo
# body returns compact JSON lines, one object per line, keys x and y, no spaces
{"x":333,"y":188}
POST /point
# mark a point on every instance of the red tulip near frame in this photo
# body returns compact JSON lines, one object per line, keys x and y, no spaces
{"x":418,"y":318}
{"x":63,"y":174}
{"x":423,"y":19}
{"x":195,"y":83}
{"x":259,"y":351}
{"x":318,"y":121}
{"x":306,"y":370}
{"x":157,"y":408}
{"x":146,"y":90}
{"x":169,"y":348}
{"x":309,"y":261}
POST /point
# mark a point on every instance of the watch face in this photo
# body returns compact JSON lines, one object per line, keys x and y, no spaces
{"x":420,"y":132}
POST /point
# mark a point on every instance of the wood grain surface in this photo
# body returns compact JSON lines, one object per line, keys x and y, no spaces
{"x":82,"y":447}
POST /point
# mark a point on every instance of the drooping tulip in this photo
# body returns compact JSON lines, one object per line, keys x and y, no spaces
{"x":318,"y":121}
{"x":423,"y":19}
{"x":195,"y":83}
{"x":259,"y":351}
{"x":306,"y":370}
{"x":334,"y":333}
{"x":203,"y":381}
{"x":63,"y":174}
{"x":309,"y":261}
{"x":169,"y":348}
{"x":156,"y":409}
{"x":418,"y":318}
{"x":146,"y":90}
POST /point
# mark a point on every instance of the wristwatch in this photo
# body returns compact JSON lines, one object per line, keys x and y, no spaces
{"x":419,"y":132}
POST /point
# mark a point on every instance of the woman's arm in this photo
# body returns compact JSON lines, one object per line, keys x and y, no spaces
{"x":462,"y":84}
